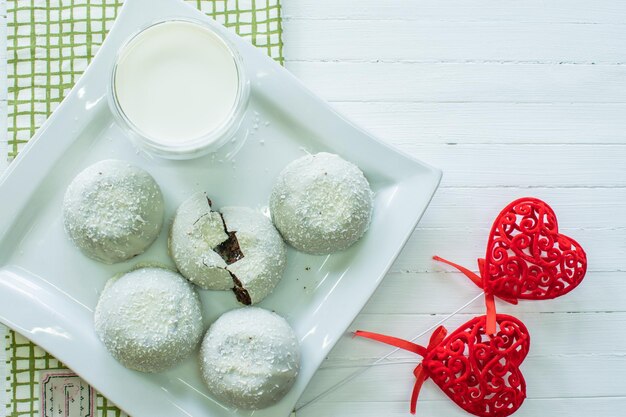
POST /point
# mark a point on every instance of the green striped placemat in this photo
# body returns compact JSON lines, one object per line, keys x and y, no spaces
{"x":50,"y":43}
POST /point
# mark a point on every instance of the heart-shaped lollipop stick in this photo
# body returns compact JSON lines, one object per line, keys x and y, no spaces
{"x":527,"y":258}
{"x":478,"y":371}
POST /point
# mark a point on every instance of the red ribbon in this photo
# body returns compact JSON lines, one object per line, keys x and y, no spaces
{"x":420,"y":375}
{"x":490,"y":303}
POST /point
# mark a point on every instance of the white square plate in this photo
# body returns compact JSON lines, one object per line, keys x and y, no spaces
{"x":48,"y":289}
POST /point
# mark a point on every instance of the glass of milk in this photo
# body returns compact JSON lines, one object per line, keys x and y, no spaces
{"x":180,"y":89}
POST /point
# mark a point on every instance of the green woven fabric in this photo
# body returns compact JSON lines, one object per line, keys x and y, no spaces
{"x":50,"y":43}
{"x":25,"y":360}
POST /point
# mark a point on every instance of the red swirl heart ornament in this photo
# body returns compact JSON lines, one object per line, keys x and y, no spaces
{"x":527,"y":258}
{"x":481,"y":373}
{"x":478,"y":371}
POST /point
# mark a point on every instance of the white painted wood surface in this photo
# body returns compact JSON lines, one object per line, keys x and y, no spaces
{"x":509,"y":98}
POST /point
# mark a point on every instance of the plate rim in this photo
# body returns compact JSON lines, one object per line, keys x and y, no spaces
{"x":10,"y":180}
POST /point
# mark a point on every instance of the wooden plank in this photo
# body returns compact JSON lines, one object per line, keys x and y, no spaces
{"x":463,"y":246}
{"x":532,"y":407}
{"x":577,"y":11}
{"x":552,"y":334}
{"x":436,"y":82}
{"x":490,"y":165}
{"x":546,"y":377}
{"x":576,"y":208}
{"x":443,"y":293}
{"x":435,"y":41}
{"x":407,"y":123}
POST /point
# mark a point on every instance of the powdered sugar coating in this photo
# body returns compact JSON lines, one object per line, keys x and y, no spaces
{"x":113,"y":211}
{"x":197,"y":230}
{"x":149,"y":319}
{"x":264,"y":253}
{"x":321,"y":203}
{"x":250,"y":358}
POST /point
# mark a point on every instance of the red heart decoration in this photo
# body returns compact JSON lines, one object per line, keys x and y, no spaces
{"x":527,"y":258}
{"x":478,"y":371}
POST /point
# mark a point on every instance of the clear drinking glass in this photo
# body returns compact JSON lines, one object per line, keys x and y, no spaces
{"x":194,"y":147}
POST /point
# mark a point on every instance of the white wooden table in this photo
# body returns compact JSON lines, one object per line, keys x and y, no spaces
{"x":509,"y":98}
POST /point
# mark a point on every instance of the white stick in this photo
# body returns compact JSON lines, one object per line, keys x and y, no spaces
{"x":379,"y":360}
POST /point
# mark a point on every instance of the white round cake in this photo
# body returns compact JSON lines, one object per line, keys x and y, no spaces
{"x":113,"y":211}
{"x":263,"y":250}
{"x":249,"y":358}
{"x":195,"y":232}
{"x":149,"y":319}
{"x":321,"y":204}
{"x":236,"y":249}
